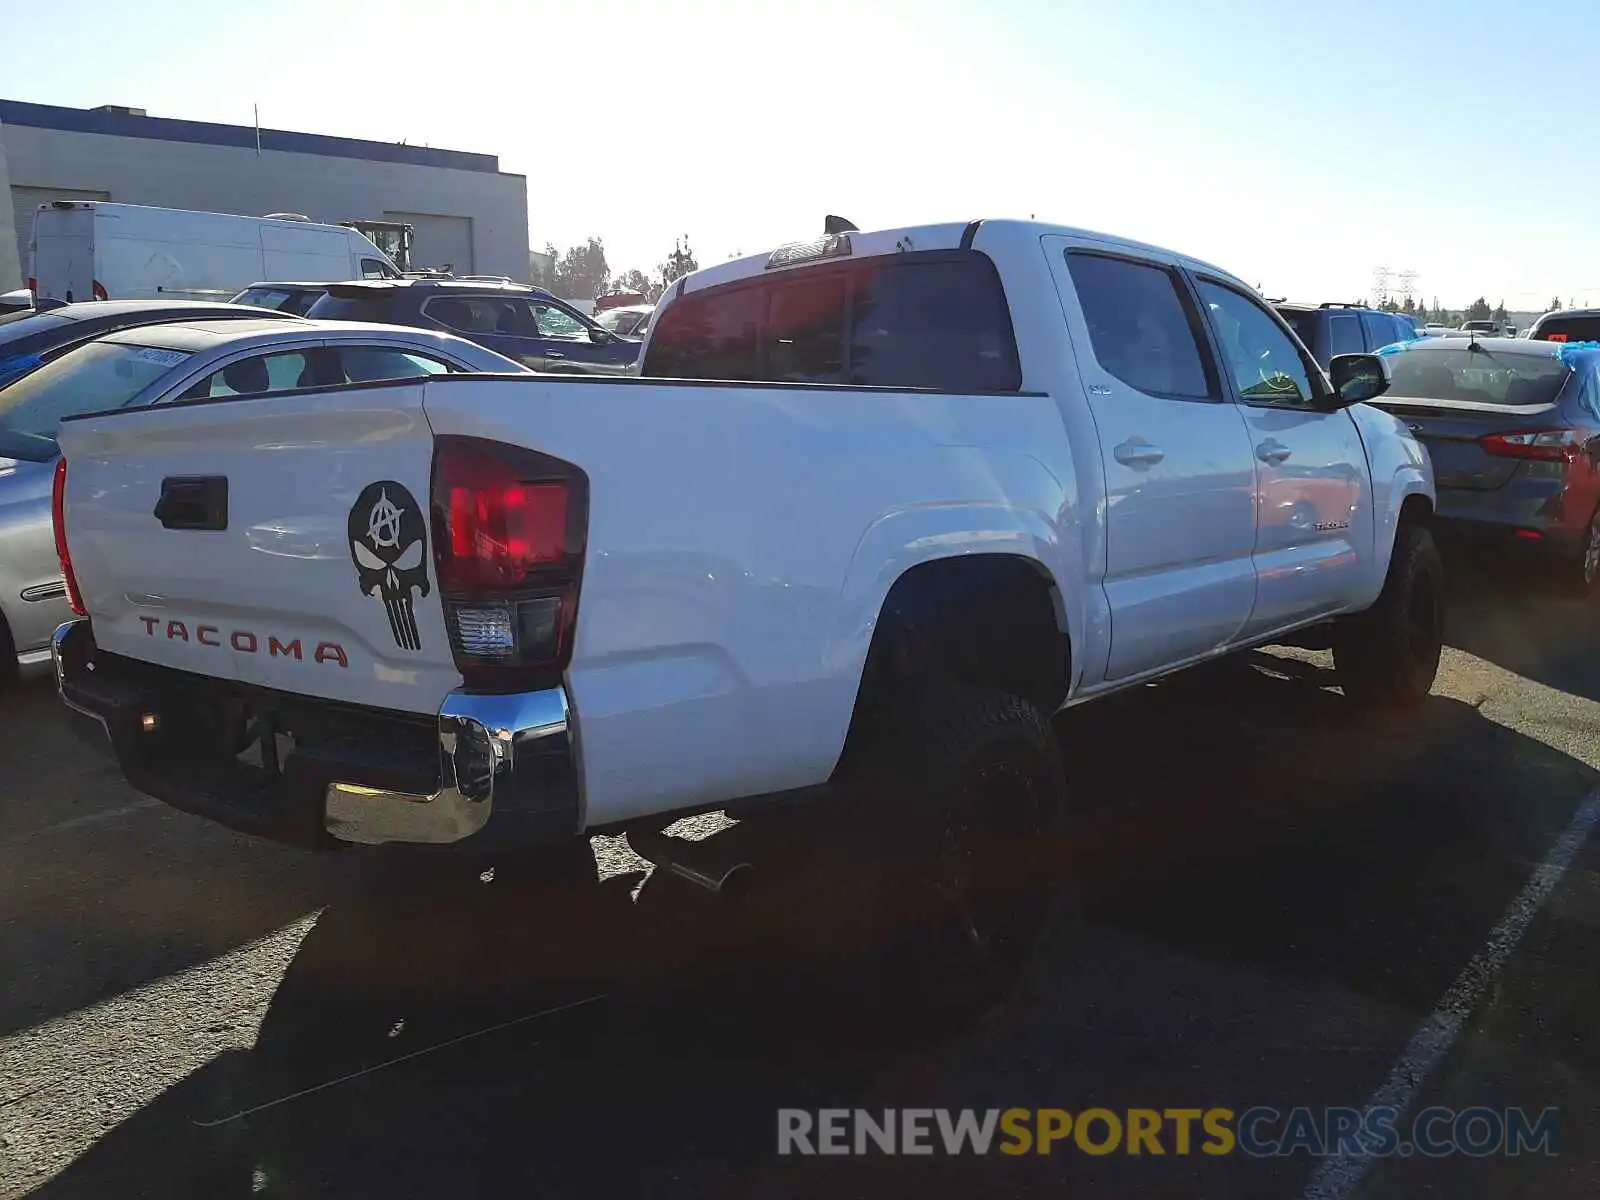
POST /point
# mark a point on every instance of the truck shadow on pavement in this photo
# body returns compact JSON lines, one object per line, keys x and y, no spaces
{"x":1519,"y":618}
{"x":1245,"y":833}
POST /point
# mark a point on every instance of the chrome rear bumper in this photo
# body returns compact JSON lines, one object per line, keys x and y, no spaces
{"x":506,"y":777}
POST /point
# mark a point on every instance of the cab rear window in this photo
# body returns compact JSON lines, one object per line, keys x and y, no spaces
{"x":934,"y":320}
{"x":1568,"y":329}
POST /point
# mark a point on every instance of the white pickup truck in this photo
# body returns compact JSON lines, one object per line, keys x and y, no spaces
{"x":880,"y":505}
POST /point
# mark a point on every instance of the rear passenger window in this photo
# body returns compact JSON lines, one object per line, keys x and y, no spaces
{"x":710,"y":336}
{"x":936,"y":324}
{"x":366,"y":364}
{"x":371,"y":268}
{"x":257,"y":376}
{"x":805,"y":330}
{"x":934,"y":319}
{"x":1139,"y":329}
{"x":1344,"y":336}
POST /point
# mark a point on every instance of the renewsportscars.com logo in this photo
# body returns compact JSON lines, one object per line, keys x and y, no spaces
{"x":1259,"y":1132}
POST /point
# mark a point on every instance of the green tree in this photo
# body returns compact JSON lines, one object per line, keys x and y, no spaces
{"x":1500,"y":313}
{"x":1409,"y":307}
{"x":1555,"y":303}
{"x":1478,"y":310}
{"x":581,"y":273}
{"x":632,"y":280}
{"x":679,"y":263}
{"x":1389,"y":305}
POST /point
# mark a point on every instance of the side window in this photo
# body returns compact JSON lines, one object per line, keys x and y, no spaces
{"x":1344,"y":335}
{"x":1380,"y":329}
{"x":366,"y":364}
{"x":1139,"y":328}
{"x":371,"y":268}
{"x":712,"y":335}
{"x":478,"y":315}
{"x":939,"y":323}
{"x":555,"y":322}
{"x":1265,"y":364}
{"x":805,"y":330}
{"x":257,"y":376}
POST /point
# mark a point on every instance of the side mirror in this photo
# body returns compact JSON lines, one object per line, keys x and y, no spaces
{"x":1358,"y":377}
{"x":598,"y":336}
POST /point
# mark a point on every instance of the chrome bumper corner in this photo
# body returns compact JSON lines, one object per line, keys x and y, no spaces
{"x":510,"y":757}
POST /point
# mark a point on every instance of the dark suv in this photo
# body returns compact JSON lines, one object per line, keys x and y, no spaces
{"x":1330,"y":329}
{"x":526,"y":324}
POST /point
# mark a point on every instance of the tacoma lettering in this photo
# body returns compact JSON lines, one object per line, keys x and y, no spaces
{"x":246,"y":641}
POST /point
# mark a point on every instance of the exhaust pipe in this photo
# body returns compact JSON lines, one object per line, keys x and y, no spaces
{"x":699,"y":863}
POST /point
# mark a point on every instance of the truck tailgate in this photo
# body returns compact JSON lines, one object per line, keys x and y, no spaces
{"x":315,"y":574}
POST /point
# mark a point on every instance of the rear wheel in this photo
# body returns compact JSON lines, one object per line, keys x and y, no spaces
{"x":959,"y":866}
{"x":1388,"y":656}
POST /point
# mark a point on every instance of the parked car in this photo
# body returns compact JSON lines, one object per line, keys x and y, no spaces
{"x":1494,"y":329}
{"x":632,"y":320}
{"x":1513,"y":428}
{"x":1332,"y":329}
{"x":867,"y":562}
{"x":528,"y":325}
{"x":30,"y":338}
{"x":1436,"y":329}
{"x":96,"y":250}
{"x":16,"y":301}
{"x":294,"y":298}
{"x":200,"y":358}
{"x":1567,"y":325}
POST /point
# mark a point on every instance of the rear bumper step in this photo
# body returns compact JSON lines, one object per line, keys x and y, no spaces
{"x":496,"y":771}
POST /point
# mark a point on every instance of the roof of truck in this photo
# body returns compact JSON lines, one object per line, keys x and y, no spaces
{"x":953,"y":235}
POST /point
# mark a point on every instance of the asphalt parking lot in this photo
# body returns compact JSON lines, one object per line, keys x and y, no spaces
{"x":1281,"y":900}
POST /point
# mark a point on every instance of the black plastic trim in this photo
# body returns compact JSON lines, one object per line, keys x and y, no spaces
{"x":969,"y":234}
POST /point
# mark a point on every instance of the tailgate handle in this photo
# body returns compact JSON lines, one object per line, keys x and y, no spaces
{"x":193,"y":502}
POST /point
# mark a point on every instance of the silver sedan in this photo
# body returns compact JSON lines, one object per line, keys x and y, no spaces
{"x":162,"y":364}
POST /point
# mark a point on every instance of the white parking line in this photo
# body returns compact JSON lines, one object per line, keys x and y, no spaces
{"x":1337,"y":1177}
{"x":97,"y":818}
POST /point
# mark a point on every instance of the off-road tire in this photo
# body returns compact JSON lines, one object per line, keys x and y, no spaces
{"x":1388,"y":656}
{"x":956,"y":782}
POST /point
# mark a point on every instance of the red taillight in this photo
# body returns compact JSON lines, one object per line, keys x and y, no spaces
{"x":58,"y":518}
{"x":1542,"y":445}
{"x":1552,"y":337}
{"x":98,"y":290}
{"x":508,"y":536}
{"x":33,"y":286}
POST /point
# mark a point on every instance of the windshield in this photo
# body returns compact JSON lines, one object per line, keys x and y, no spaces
{"x":93,"y":378}
{"x":1476,"y":376}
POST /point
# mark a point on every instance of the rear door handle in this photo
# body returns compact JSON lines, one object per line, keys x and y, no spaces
{"x":1273,"y":452}
{"x":193,"y":502}
{"x":554,"y":354}
{"x":1136,"y":452}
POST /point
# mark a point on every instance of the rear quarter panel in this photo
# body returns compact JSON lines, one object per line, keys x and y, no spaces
{"x":1400,"y":468}
{"x":741,"y":542}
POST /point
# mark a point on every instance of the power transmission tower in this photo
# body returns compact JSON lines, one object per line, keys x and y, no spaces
{"x":1380,"y":285}
{"x":1408,"y":285}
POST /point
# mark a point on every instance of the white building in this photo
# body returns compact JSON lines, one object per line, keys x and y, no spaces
{"x":466,"y":211}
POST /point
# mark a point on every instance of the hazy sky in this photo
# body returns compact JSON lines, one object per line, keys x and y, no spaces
{"x":1299,"y":145}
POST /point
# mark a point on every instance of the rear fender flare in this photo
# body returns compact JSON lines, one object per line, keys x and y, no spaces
{"x":907,"y":538}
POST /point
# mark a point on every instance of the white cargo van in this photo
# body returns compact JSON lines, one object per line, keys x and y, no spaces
{"x":92,"y":250}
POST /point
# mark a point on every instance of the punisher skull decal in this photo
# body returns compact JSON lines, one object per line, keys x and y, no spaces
{"x":388,"y":541}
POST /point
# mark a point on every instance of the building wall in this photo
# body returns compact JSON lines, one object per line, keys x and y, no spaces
{"x":323,"y":186}
{"x":10,"y":261}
